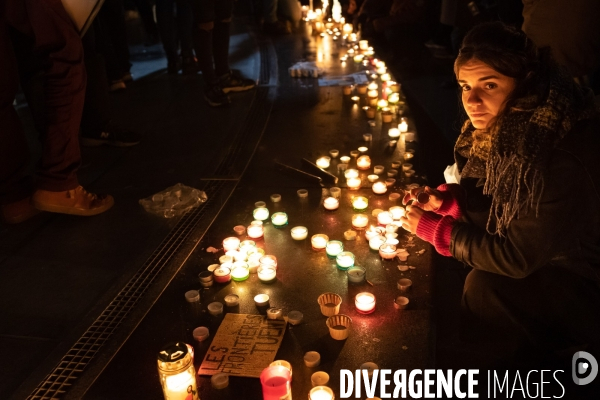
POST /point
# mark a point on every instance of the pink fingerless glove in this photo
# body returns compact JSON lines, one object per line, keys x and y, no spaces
{"x":452,"y":196}
{"x":437,"y":230}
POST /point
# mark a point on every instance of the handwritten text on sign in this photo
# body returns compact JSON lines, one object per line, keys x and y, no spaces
{"x":244,"y":345}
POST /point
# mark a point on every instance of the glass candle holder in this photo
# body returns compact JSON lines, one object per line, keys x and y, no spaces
{"x":321,"y":393}
{"x":268,"y":261}
{"x":299,"y":232}
{"x":379,"y":188}
{"x":247,"y":245}
{"x":222,"y":274}
{"x":363,"y":162}
{"x":374,"y":231}
{"x":356,"y":274}
{"x":360,"y":203}
{"x":333,"y":248}
{"x":403,"y":125}
{"x":323,"y":162}
{"x":266,"y":273}
{"x":176,"y":372}
{"x":331,"y":203}
{"x":261,"y":213}
{"x":359,"y":221}
{"x":365,"y":302}
{"x":351,"y":173}
{"x":387,"y":251}
{"x":353,"y":183}
{"x":344,"y":260}
{"x":255,"y":230}
{"x":276,"y":382}
{"x":279,"y":219}
{"x":319,"y":241}
{"x":384,"y":218}
{"x":376,"y":242}
{"x":231,"y":243}
{"x":397,"y":212}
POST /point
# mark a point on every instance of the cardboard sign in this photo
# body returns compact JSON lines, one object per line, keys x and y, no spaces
{"x":244,"y":345}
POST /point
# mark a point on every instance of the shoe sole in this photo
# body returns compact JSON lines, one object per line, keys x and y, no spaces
{"x":238,"y":89}
{"x":89,"y":142}
{"x":71,"y":210}
{"x":213,"y":104}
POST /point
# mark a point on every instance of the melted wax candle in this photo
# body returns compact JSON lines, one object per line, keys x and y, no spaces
{"x":365,"y":303}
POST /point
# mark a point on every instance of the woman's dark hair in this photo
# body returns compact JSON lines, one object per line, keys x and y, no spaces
{"x":511,"y":53}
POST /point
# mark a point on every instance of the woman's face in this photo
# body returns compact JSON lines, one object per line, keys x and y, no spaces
{"x":484,"y":91}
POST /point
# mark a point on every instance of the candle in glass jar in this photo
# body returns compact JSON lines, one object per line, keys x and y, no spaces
{"x":231,"y":243}
{"x":319,"y":241}
{"x":393,"y":98}
{"x":344,"y":260}
{"x":331,"y":203}
{"x":323,"y":162}
{"x":376,"y":242}
{"x":387,"y":251}
{"x":403,"y":125}
{"x":379,"y":188}
{"x":222,"y":274}
{"x":356,"y":274}
{"x":360,"y":221}
{"x":351,"y":173}
{"x":266,"y":274}
{"x":321,"y":393}
{"x":382,"y":103}
{"x":394,"y":133}
{"x":365,"y":303}
{"x":275,"y":382}
{"x":268,"y":260}
{"x":260,"y":213}
{"x":360,"y":203}
{"x":373,"y":231}
{"x":333,"y":248}
{"x":299,"y":232}
{"x":384,"y":218}
{"x":363,"y":162}
{"x":240,"y":273}
{"x":353,"y":183}
{"x":255,"y":230}
{"x":279,"y":219}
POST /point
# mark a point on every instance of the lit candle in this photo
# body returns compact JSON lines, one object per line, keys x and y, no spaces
{"x":387,"y":251}
{"x":376,"y":242}
{"x":299,"y":232}
{"x":355,"y":98}
{"x":275,"y":382}
{"x":381,"y":70}
{"x":360,"y":203}
{"x":394,"y":133}
{"x":321,"y":393}
{"x":284,"y":363}
{"x":358,"y":58}
{"x":319,"y":241}
{"x":225,"y":258}
{"x":393,"y":98}
{"x":397,"y":212}
{"x":247,"y":245}
{"x":347,"y":29}
{"x":373,"y":86}
{"x":372,"y":178}
{"x":231,"y":243}
{"x":384,"y":218}
{"x":363,"y":162}
{"x":356,"y":274}
{"x":255,"y":230}
{"x":363,"y":149}
{"x":380,"y":64}
{"x":260,"y":213}
{"x":261,"y":300}
{"x":365,"y":303}
{"x":351,"y":173}
{"x":323,"y":162}
{"x":385,"y":77}
{"x":403,"y":125}
{"x":363,"y":44}
{"x":268,"y":261}
{"x":360,"y":221}
{"x":373,"y":231}
{"x":353,"y":183}
{"x":361,"y":88}
{"x":333,"y":248}
{"x":222,"y":274}
{"x":372,"y":94}
{"x":331,"y":203}
{"x":266,"y":274}
{"x":279,"y":219}
{"x":176,"y":372}
{"x":345,"y":160}
{"x":379,"y":188}
{"x":382,"y":103}
{"x":344,"y":260}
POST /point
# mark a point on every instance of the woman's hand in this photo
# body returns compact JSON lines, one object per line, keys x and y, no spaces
{"x":411,"y":219}
{"x":433,"y":203}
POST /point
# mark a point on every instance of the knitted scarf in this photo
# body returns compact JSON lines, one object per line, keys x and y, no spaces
{"x":512,"y":157}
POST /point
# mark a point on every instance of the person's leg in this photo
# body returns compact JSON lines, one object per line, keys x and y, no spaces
{"x":168,"y":33}
{"x":185,"y":22}
{"x":113,"y":14}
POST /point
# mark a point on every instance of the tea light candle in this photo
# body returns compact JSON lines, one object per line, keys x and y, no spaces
{"x":394,"y":133}
{"x":373,"y":231}
{"x":323,"y":162}
{"x":299,"y":232}
{"x":355,"y":98}
{"x":390,"y":182}
{"x":344,"y":159}
{"x":240,"y":273}
{"x":409,"y":173}
{"x":379,"y":188}
{"x":261,"y":300}
{"x":334,"y":153}
{"x":363,"y":162}
{"x":360,"y":203}
{"x":387,"y":251}
{"x":319,"y":378}
{"x":394,"y":197}
{"x":274,"y":313}
{"x":382,"y":103}
{"x":321,"y":393}
{"x":401,"y":302}
{"x":347,"y":89}
{"x":335,"y":192}
{"x":275,"y":382}
{"x":350,"y":235}
{"x":200,"y":333}
{"x":333,"y":248}
{"x":260,"y":213}
{"x":358,"y":58}
{"x":222,"y":274}
{"x":404,"y":284}
{"x":356,"y":274}
{"x":268,"y":261}
{"x":359,"y":221}
{"x":372,"y":94}
{"x":353,"y":183}
{"x":279,"y":219}
{"x":331,"y":203}
{"x":372,"y":178}
{"x":311,"y":359}
{"x":403,"y":125}
{"x":363,"y":44}
{"x":232,"y":300}
{"x":255,"y":230}
{"x":225,"y":258}
{"x":376,"y":242}
{"x":385,"y":77}
{"x":319,"y":241}
{"x":365,"y":303}
{"x":344,"y":260}
{"x":384,"y":218}
{"x":231,"y":243}
{"x":372,"y":86}
{"x":215,"y":308}
{"x":302,"y":193}
{"x":247,"y":245}
{"x":351,"y":173}
{"x":294,"y":318}
{"x":392,"y":172}
{"x":367,"y":137}
{"x":397,"y":212}
{"x":266,"y":273}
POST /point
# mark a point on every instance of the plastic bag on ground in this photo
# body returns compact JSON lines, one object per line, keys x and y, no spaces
{"x":173,"y":201}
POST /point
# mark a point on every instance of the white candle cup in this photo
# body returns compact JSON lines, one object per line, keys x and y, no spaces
{"x":339,"y":326}
{"x":392,"y":173}
{"x":231,"y":243}
{"x":260,"y":213}
{"x":239,"y":230}
{"x":274,"y":313}
{"x":321,"y":393}
{"x":215,"y":308}
{"x":360,"y":203}
{"x":335,"y":192}
{"x":384,"y":218}
{"x":267,"y":274}
{"x":355,"y":98}
{"x":200,"y":333}
{"x":403,"y":125}
{"x":344,"y":159}
{"x":379,"y":188}
{"x":219,"y":381}
{"x":232,"y":300}
{"x":344,"y":260}
{"x":279,"y":219}
{"x":367,"y":137}
{"x":255,"y":230}
{"x":372,"y":178}
{"x":331,"y":203}
{"x":312,"y":359}
{"x":394,"y":133}
{"x":401,"y":302}
{"x":365,"y":302}
{"x":406,"y":166}
{"x":268,"y":261}
{"x":409,"y":173}
{"x":376,"y":242}
{"x":320,"y":378}
{"x":394,"y":197}
{"x":370,"y":367}
{"x":350,"y":235}
{"x":353,"y":183}
{"x":359,"y":221}
{"x":404,"y":284}
{"x":397,"y":212}
{"x":356,"y":274}
{"x":351,"y":173}
{"x":363,"y":149}
{"x":319,"y":241}
{"x":299,"y":232}
{"x":333,"y":248}
{"x":323,"y":162}
{"x":329,"y":303}
{"x":261,"y":300}
{"x":363,"y":44}
{"x":225,"y":258}
{"x":302,"y":193}
{"x":347,"y":90}
{"x":334,"y":153}
{"x":354,"y":153}
{"x":378,"y":169}
{"x":295,"y":317}
{"x":247,"y":245}
{"x":387,"y":251}
{"x":363,"y":162}
{"x":390,"y":182}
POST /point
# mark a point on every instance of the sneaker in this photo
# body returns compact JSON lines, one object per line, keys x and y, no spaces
{"x":77,"y":201}
{"x":216,"y":97}
{"x":18,"y":211}
{"x":234,"y":82}
{"x":117,"y":85}
{"x":114,"y":137}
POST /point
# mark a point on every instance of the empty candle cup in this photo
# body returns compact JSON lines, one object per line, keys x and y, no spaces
{"x":299,"y":232}
{"x":356,"y":274}
{"x":334,"y":153}
{"x":319,"y":378}
{"x":409,"y":173}
{"x":344,"y":260}
{"x":406,"y":166}
{"x":295,"y":317}
{"x":390,"y":182}
{"x":378,"y":169}
{"x":200,"y":333}
{"x":239,"y":230}
{"x":367,"y":137}
{"x":256,"y":230}
{"x":232,"y":300}
{"x":302,"y":193}
{"x":354,"y":153}
{"x":365,"y":302}
{"x":215,"y":308}
{"x":404,"y":284}
{"x":329,"y":303}
{"x":401,"y":302}
{"x":312,"y":359}
{"x":372,"y":178}
{"x":396,"y":164}
{"x":339,"y":326}
{"x":350,"y":234}
{"x":335,"y":192}
{"x":275,"y":198}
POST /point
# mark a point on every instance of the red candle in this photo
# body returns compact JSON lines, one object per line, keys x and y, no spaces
{"x":275,"y":381}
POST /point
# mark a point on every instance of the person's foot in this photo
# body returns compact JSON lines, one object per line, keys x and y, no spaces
{"x":117,"y":85}
{"x":18,"y":211}
{"x":112,"y":137}
{"x":216,"y":97}
{"x":189,"y":66}
{"x":77,"y":201}
{"x":234,"y":82}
